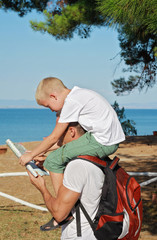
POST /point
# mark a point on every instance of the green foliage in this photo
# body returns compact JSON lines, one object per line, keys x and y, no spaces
{"x":137,"y":26}
{"x":22,"y":7}
{"x":140,"y":56}
{"x":127,"y":125}
{"x":141,"y":15}
{"x":62,"y":27}
{"x":121,"y":85}
{"x":139,"y":53}
{"x":155,"y":51}
{"x":135,"y":20}
{"x":68,"y":17}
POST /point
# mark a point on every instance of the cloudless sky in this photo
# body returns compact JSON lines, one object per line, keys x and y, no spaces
{"x":26,"y":57}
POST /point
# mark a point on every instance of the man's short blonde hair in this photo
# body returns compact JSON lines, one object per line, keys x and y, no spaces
{"x":48,"y":86}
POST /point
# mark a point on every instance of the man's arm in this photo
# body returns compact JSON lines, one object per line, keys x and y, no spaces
{"x":45,"y":144}
{"x":61,"y":206}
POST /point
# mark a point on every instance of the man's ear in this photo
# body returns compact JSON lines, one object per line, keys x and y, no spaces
{"x":72,"y":132}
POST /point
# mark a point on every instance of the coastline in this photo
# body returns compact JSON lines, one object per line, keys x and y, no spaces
{"x":32,"y":124}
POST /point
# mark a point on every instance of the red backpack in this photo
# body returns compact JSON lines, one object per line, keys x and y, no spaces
{"x":119,"y":215}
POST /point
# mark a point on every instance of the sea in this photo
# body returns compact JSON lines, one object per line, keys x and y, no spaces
{"x":25,"y":125}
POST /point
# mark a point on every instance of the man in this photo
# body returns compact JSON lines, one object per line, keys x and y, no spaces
{"x":82,"y":180}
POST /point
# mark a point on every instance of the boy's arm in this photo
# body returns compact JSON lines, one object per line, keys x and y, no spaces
{"x":45,"y":144}
{"x":55,"y":146}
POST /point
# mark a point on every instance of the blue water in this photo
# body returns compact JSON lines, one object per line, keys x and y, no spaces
{"x":23,"y":125}
{"x":145,"y":119}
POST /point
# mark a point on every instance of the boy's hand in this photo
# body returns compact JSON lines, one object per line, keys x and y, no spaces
{"x":25,"y":158}
{"x":40,"y":158}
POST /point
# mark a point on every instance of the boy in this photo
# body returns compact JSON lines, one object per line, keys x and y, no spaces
{"x":91,"y":111}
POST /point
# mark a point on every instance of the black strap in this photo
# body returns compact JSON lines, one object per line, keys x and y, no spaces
{"x":78,"y":219}
{"x":79,"y":205}
{"x":68,"y":219}
{"x":87,"y":216}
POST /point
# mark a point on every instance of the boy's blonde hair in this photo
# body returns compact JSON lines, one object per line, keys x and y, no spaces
{"x":48,"y":86}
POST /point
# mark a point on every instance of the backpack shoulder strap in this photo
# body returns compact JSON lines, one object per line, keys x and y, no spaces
{"x":78,"y":219}
{"x":79,"y":205}
{"x":114,"y":163}
{"x":97,"y":161}
{"x":101,"y":162}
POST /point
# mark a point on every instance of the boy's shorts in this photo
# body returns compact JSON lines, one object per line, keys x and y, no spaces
{"x":85,"y":145}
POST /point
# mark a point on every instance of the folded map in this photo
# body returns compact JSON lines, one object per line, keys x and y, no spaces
{"x":18,"y":149}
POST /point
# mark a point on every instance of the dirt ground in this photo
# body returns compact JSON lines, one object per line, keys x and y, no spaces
{"x":137,"y":154}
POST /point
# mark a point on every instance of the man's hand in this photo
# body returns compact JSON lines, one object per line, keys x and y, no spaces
{"x":25,"y":158}
{"x":38,"y":182}
{"x":59,"y":207}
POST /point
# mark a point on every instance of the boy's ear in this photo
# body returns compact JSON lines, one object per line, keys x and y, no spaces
{"x":53,"y":96}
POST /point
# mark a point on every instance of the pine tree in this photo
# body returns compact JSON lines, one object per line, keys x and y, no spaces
{"x":135,"y":20}
{"x":127,"y":125}
{"x":22,"y":7}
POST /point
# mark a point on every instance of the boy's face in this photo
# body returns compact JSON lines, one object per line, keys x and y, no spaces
{"x":53,"y":103}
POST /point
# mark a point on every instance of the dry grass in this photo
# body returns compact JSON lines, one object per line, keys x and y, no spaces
{"x":20,"y":222}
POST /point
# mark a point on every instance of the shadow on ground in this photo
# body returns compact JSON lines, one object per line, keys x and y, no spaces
{"x":149,"y":217}
{"x":149,"y":140}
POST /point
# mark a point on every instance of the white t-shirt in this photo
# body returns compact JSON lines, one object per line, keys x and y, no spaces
{"x":85,"y":178}
{"x":94,"y":114}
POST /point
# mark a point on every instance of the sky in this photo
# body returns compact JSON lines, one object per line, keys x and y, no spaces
{"x":26,"y":57}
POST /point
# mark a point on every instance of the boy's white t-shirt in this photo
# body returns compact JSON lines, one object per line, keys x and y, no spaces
{"x":94,"y":114}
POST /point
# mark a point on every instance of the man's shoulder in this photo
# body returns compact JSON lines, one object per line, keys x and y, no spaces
{"x":80,"y":173}
{"x":76,"y":163}
{"x":82,"y":165}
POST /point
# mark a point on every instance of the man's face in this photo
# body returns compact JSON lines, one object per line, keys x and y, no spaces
{"x":67,"y":136}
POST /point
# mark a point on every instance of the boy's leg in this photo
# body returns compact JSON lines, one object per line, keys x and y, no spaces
{"x":85,"y":145}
